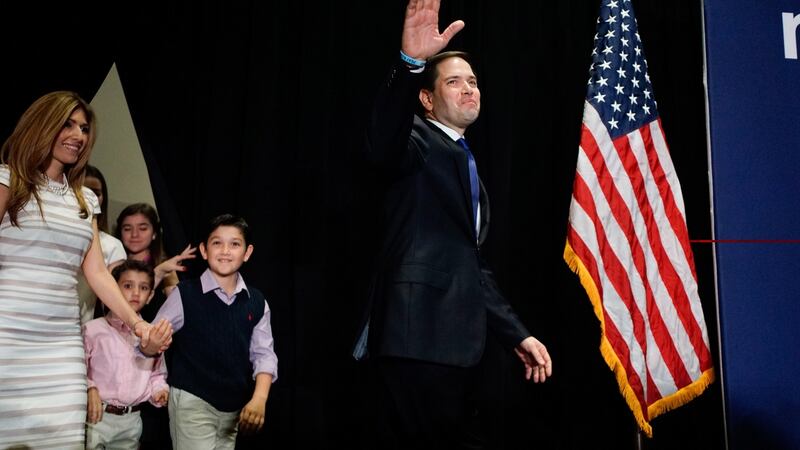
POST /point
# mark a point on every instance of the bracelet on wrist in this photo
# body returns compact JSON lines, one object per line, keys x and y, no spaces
{"x":417,"y":63}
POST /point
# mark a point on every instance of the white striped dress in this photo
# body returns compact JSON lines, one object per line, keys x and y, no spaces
{"x":42,"y":368}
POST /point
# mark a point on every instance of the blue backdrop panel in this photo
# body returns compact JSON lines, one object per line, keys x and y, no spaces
{"x":754,"y":105}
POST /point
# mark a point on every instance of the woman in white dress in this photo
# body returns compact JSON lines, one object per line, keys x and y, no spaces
{"x":47,"y":234}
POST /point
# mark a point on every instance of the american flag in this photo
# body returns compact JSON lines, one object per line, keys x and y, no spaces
{"x":627,"y":238}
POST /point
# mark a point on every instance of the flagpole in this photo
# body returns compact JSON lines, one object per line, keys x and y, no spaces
{"x":638,"y":439}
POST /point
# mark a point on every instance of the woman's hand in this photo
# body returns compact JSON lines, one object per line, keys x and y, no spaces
{"x":158,"y":339}
{"x":142,"y":329}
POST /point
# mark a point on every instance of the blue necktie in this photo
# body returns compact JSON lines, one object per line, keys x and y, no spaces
{"x":473,"y":180}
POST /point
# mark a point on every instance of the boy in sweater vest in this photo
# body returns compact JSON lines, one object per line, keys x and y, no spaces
{"x":221,"y":362}
{"x":119,"y":378}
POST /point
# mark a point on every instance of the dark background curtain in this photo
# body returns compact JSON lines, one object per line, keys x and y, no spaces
{"x":257,"y":108}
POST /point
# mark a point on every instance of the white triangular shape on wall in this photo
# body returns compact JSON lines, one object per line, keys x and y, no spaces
{"x":117,"y":152}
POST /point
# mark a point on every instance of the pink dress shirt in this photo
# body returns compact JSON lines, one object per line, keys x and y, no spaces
{"x":115,"y":368}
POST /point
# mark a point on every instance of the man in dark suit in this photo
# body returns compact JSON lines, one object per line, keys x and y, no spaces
{"x":433,"y":300}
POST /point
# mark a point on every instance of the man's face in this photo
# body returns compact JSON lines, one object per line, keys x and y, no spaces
{"x":455,"y":100}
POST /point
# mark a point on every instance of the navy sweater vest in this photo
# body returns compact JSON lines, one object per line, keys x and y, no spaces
{"x":210,"y":355}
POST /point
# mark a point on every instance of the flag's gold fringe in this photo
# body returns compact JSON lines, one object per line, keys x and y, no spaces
{"x":663,"y":405}
{"x":624,"y":387}
{"x":683,"y":395}
{"x":606,"y":350}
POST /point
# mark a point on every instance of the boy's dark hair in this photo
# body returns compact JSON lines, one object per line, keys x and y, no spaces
{"x":135,"y":266}
{"x":228,"y":220}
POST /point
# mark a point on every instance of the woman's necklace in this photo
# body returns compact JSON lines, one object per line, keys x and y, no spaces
{"x":55,"y":187}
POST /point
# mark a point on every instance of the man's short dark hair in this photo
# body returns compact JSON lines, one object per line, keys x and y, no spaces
{"x":431,"y":71}
{"x":229,"y":220}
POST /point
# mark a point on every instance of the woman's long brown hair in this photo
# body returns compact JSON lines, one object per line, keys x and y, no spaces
{"x":28,"y":150}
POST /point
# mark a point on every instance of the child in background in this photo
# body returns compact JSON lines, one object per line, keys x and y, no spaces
{"x":139,"y":229}
{"x":222,"y":361}
{"x":113,"y":250}
{"x":120,"y":379}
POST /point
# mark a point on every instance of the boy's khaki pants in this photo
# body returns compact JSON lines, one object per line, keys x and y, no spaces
{"x":113,"y":431}
{"x":196,"y":425}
